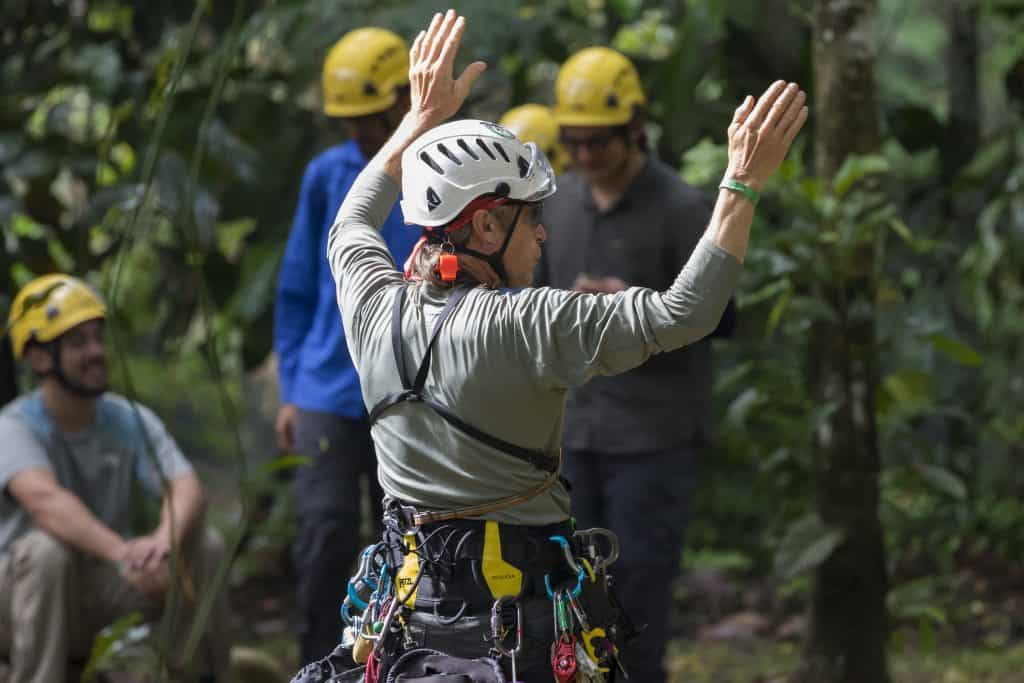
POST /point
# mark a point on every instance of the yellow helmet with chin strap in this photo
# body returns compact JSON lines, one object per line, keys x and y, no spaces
{"x":535,"y":123}
{"x":49,"y":306}
{"x":597,"y":86}
{"x":363,"y":72}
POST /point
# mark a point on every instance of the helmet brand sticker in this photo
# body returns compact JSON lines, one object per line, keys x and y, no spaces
{"x":433,"y":201}
{"x":498,"y":130}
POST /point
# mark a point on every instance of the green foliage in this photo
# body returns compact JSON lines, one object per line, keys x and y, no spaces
{"x":116,"y":644}
{"x":157,"y":149}
{"x":807,"y":543}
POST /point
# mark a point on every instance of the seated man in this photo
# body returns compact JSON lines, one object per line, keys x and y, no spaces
{"x":76,"y":461}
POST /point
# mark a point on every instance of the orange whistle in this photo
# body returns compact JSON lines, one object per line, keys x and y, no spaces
{"x":448,"y":266}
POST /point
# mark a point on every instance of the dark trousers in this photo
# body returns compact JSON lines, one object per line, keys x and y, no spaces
{"x":329,"y":515}
{"x":645,"y":499}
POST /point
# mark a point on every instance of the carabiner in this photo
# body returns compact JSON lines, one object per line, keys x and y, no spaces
{"x":497,"y":635}
{"x":567,"y":549}
{"x":580,"y":575}
{"x":600,"y":562}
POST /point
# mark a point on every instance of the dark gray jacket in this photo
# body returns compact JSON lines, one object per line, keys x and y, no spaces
{"x":641,"y":239}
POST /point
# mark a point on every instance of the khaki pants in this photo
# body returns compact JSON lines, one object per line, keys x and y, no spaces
{"x":53,"y":602}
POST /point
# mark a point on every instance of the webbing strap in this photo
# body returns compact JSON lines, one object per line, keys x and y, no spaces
{"x":413,"y":389}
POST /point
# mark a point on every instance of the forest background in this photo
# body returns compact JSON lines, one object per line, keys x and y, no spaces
{"x":869,"y":414}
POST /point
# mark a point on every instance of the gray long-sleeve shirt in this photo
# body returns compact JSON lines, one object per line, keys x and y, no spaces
{"x":503,"y":362}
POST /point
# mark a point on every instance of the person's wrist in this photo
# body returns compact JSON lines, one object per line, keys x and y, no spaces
{"x":418,"y":122}
{"x":745,"y":177}
{"x":117,"y":551}
{"x":740,"y":189}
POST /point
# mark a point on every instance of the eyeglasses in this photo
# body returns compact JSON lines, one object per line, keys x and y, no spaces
{"x":531,"y":212}
{"x":596,"y":142}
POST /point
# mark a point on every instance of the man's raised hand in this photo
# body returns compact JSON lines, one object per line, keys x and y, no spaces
{"x":435,"y":93}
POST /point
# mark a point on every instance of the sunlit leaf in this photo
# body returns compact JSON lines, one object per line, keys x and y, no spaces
{"x":956,"y":350}
{"x":778,"y":310}
{"x":854,"y":169}
{"x":808,"y":542}
{"x":231,"y":237}
{"x":904,"y":393}
{"x":60,"y":256}
{"x":27,"y":228}
{"x":286,"y":462}
{"x":942,"y":480}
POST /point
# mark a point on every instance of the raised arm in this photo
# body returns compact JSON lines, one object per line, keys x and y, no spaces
{"x":573,"y":336}
{"x":359,"y":258}
{"x":759,"y":138}
{"x":435,"y":94}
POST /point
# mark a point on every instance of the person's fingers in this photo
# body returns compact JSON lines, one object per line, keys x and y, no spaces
{"x":443,"y":31}
{"x":794,"y":128}
{"x":469,"y":76}
{"x":764,"y":103}
{"x":288,"y":435}
{"x":431,"y":35}
{"x":150,"y":562}
{"x":451,"y":44}
{"x":147,"y":556}
{"x":417,"y":44}
{"x":789,"y":116}
{"x":743,"y":111}
{"x":780,"y":106}
{"x":156,"y":560}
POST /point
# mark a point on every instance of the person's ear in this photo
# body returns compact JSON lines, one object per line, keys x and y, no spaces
{"x":40,"y":360}
{"x":486,"y":227}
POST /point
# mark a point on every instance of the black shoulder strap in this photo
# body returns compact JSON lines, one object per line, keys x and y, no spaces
{"x":413,"y":390}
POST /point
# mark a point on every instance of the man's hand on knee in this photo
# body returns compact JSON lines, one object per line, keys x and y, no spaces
{"x":149,"y":582}
{"x":146,"y":553}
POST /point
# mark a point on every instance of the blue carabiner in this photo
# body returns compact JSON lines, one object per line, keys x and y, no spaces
{"x":575,"y":591}
{"x":567,"y":549}
{"x":354,"y":597}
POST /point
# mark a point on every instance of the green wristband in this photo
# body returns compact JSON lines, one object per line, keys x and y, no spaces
{"x":752,"y":195}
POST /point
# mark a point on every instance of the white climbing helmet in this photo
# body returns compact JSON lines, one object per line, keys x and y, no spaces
{"x":448,"y":167}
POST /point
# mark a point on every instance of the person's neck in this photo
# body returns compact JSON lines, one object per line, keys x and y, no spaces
{"x":70,"y":413}
{"x":607,"y":191}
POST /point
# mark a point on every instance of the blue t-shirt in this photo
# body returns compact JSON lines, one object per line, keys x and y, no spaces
{"x":315,"y":369}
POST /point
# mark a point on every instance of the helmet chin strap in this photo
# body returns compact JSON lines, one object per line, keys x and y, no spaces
{"x":497,"y":259}
{"x":71,"y":386}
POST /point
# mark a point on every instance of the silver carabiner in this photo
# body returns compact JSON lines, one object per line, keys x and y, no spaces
{"x":498,"y":633}
{"x":601,"y":562}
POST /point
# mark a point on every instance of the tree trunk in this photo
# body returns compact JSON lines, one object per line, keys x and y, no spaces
{"x":964,"y":128}
{"x":848,"y":618}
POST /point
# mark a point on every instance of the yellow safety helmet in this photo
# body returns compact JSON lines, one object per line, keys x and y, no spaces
{"x":597,"y":86}
{"x":535,"y":123}
{"x":363,"y":71}
{"x":49,"y":306}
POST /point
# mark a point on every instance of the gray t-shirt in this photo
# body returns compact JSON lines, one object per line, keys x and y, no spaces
{"x":503,"y":362}
{"x":103,"y":465}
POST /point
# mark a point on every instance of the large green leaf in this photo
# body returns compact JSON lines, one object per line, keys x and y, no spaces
{"x":808,"y":542}
{"x":942,"y":480}
{"x":856,"y":168}
{"x":904,"y":393}
{"x":956,"y":350}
